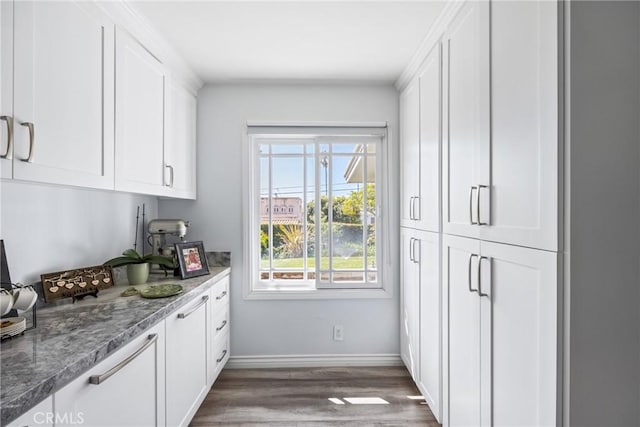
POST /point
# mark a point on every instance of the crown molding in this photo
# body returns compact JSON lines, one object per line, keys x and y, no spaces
{"x":435,"y":33}
{"x":139,"y":27}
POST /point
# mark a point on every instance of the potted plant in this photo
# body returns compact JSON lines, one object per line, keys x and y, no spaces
{"x":138,"y":265}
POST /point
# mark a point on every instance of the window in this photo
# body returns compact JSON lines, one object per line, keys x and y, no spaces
{"x":314,"y":202}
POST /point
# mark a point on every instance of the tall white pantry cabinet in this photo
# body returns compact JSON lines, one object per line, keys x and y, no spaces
{"x":496,"y":327}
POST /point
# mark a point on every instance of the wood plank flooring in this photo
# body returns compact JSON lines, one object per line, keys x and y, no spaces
{"x":299,"y":397}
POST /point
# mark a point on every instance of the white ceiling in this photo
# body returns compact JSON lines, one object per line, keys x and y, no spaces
{"x":225,"y":41}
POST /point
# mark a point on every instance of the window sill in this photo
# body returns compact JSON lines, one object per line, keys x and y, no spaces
{"x":317,"y":294}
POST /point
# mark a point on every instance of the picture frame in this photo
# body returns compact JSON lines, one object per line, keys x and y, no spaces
{"x":192,"y":259}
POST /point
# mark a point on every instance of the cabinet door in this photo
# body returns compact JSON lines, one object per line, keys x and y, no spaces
{"x":63,"y":86}
{"x":139,"y":118}
{"x":132,"y":396}
{"x":466,"y":159}
{"x":410,"y":151}
{"x":6,"y":89}
{"x":186,"y":360}
{"x":430,"y":327}
{"x":462,"y":344}
{"x":180,"y":141}
{"x":410,"y":306}
{"x":519,"y":336}
{"x":40,"y":415}
{"x":427,"y":211}
{"x":524,"y":124}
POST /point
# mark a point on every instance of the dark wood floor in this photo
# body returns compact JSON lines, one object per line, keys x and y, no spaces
{"x":299,"y":397}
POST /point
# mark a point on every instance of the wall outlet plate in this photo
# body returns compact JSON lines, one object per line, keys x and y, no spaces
{"x":338,"y":333}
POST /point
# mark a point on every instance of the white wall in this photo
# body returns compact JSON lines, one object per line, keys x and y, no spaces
{"x":50,"y":228}
{"x":604,"y":159}
{"x":283,"y":327}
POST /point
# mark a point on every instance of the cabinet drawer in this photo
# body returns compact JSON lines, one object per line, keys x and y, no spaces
{"x":220,"y":324}
{"x":40,"y":415}
{"x":220,"y":294}
{"x":99,"y":396}
{"x":221,"y":349}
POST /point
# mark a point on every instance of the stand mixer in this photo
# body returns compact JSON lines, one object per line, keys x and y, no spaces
{"x":159,"y":229}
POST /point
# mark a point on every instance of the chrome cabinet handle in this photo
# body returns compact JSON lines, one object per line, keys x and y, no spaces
{"x":415,"y":199}
{"x":416,"y":259}
{"x":99,"y":379}
{"x":9,"y":153}
{"x":224,"y":353}
{"x":480,"y":277}
{"x":188,"y":313}
{"x":170,"y":184}
{"x":221,"y":327}
{"x":478,"y":205}
{"x":222,"y":295}
{"x":471,"y":205}
{"x":411,"y":249}
{"x":32,"y":137}
{"x":469,"y":273}
{"x":411,"y":207}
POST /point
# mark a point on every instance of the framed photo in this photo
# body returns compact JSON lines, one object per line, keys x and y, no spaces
{"x":192,"y":259}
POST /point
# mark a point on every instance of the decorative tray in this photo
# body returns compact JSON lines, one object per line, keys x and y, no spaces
{"x":161,"y":291}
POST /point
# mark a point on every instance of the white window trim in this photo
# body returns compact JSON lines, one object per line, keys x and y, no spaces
{"x":250,"y":204}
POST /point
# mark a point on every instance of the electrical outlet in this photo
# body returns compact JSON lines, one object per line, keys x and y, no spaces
{"x":338,"y":333}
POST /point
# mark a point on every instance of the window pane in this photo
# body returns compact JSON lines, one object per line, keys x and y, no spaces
{"x":310,"y":211}
{"x":348,"y":276}
{"x":346,"y":148}
{"x":286,"y":216}
{"x":264,"y":215}
{"x":370,"y":216}
{"x":287,"y":149}
{"x":347,"y":231}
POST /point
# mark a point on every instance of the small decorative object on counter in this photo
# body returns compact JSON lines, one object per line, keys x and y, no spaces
{"x":192,"y":259}
{"x":77,"y":283}
{"x":161,"y":291}
{"x":138,"y":265}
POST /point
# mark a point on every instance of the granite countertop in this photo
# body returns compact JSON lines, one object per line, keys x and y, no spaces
{"x":71,"y":338}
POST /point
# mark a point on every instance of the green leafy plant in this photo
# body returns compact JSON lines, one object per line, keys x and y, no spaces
{"x":131,"y":256}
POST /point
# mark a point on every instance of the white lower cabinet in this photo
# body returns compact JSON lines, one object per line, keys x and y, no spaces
{"x":218,"y":333}
{"x":123,"y":390}
{"x":501,"y":347}
{"x":421,"y":313}
{"x":40,"y":415}
{"x":186,"y":353}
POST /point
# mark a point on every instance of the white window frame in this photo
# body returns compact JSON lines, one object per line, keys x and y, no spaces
{"x":253,"y":288}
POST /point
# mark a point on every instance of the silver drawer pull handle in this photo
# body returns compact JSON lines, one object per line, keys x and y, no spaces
{"x":480,"y":276}
{"x":222,"y":295}
{"x":224,"y":323}
{"x":469,"y":273}
{"x":32,"y":137}
{"x":188,"y":313}
{"x":471,"y":205}
{"x":416,"y":199}
{"x":99,"y":379}
{"x":9,"y":154}
{"x":224,"y":353}
{"x":411,"y":207}
{"x":480,"y":187}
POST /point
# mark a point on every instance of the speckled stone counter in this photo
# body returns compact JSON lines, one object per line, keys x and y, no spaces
{"x":71,"y":338}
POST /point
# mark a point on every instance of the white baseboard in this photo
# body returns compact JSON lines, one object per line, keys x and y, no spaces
{"x":313,"y":361}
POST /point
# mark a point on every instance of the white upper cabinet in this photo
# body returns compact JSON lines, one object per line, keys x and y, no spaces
{"x":501,"y":157}
{"x":139,"y":118}
{"x":524,"y":124}
{"x":427,"y":211}
{"x":62,"y":93}
{"x":179,"y":141}
{"x":410,"y":151}
{"x":420,"y":128}
{"x":6,"y":89}
{"x":465,"y":163}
